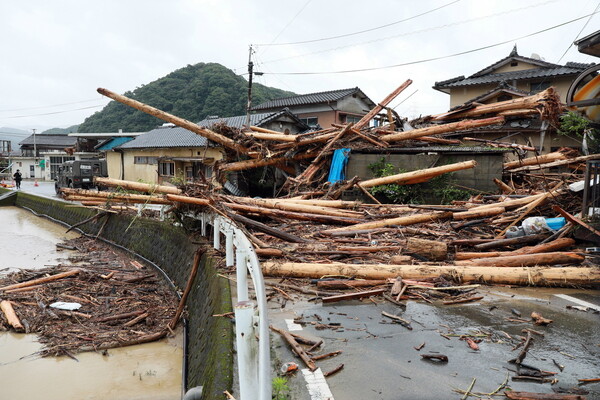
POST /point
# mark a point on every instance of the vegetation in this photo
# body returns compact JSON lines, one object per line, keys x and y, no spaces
{"x":440,"y":189}
{"x":59,"y":131}
{"x":280,"y":388}
{"x":193,"y":92}
{"x":575,"y":125}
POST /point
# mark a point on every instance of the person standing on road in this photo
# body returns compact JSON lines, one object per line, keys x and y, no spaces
{"x":18,"y":178}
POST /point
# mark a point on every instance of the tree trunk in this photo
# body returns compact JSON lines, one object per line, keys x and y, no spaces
{"x":10,"y":314}
{"x":525,"y":276}
{"x":554,"y":245}
{"x":526,"y":260}
{"x":541,"y":159}
{"x":476,"y":214}
{"x":140,"y":187}
{"x":445,"y":128}
{"x":422,"y":175}
{"x":431,"y":249}
{"x":207,"y":133}
{"x":371,"y":114}
{"x":400,"y":221}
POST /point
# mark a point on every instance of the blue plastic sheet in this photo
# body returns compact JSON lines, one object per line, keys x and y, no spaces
{"x":337,"y":172}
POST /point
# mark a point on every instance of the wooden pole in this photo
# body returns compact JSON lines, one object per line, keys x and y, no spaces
{"x":188,"y":287}
{"x":188,"y":200}
{"x":139,"y":186}
{"x":421,"y":175}
{"x":400,"y":221}
{"x":155,"y":112}
{"x":445,"y":128}
{"x":371,"y":114}
{"x":541,"y":159}
{"x":42,"y":280}
{"x":526,"y":276}
{"x":526,"y":260}
{"x":554,"y":245}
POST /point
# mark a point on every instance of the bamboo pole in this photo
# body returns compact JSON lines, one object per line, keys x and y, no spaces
{"x":445,"y":128}
{"x":400,"y":221}
{"x":525,"y":276}
{"x":155,"y":112}
{"x":419,"y":175}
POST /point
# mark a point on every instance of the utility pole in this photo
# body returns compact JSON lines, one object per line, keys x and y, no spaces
{"x":250,"y":73}
{"x":34,"y":154}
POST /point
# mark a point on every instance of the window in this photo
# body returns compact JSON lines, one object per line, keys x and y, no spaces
{"x":514,"y":63}
{"x":352,"y":119}
{"x":537,"y":87}
{"x":55,"y":162}
{"x":153,"y":160}
{"x":166,"y":169}
{"x":140,"y":160}
{"x":311,"y":121}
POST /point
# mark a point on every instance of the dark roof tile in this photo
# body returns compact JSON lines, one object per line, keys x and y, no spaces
{"x":310,"y":98}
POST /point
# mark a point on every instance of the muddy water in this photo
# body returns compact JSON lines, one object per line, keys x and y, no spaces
{"x":151,"y":371}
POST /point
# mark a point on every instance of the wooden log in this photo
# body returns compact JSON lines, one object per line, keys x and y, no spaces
{"x":10,"y":314}
{"x":541,"y":159}
{"x":264,"y":130}
{"x":477,"y":214}
{"x":529,"y":102}
{"x":276,"y":213}
{"x":461,"y":301}
{"x":188,"y":200}
{"x":572,"y":219}
{"x":119,"y":316}
{"x":364,"y":121}
{"x":512,"y":241}
{"x":45,"y":279}
{"x":117,"y":196}
{"x":431,"y":249}
{"x":445,"y":128}
{"x":526,"y":260}
{"x":287,"y":206}
{"x":496,"y":143}
{"x":355,"y":295}
{"x":419,"y":175}
{"x":139,"y":186}
{"x":207,"y":133}
{"x":554,"y":245}
{"x":400,"y":259}
{"x":267,"y":229}
{"x":188,"y":287}
{"x":555,"y":163}
{"x":399,"y":221}
{"x":526,"y":276}
{"x":296,"y":348}
{"x":512,"y":395}
{"x":263,"y":162}
{"x":272,"y":136}
{"x":503,"y":186}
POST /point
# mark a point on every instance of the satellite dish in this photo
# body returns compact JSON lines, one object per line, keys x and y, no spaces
{"x":536,"y":56}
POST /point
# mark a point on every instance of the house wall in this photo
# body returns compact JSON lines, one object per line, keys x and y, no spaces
{"x":282,"y":124}
{"x":325,"y":118}
{"x":149,"y":172}
{"x":489,"y":166}
{"x":521,"y":66}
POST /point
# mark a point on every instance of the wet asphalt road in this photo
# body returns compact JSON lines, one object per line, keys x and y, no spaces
{"x":381,"y":360}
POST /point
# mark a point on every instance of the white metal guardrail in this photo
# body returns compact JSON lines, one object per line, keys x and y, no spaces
{"x":251,"y":318}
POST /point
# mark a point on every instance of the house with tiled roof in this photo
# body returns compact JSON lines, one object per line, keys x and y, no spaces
{"x":511,"y":77}
{"x":170,"y":152}
{"x":322,"y":109}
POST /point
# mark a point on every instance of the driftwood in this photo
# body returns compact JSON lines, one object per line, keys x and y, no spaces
{"x":188,"y":287}
{"x":400,"y":221}
{"x":556,"y":163}
{"x":42,"y":280}
{"x":347,"y":284}
{"x":526,"y":276}
{"x":554,"y":245}
{"x":267,"y":229}
{"x":541,"y":159}
{"x":355,"y":295}
{"x":431,"y":249}
{"x":542,"y":396}
{"x":445,"y":128}
{"x":371,"y":114}
{"x":526,"y":260}
{"x":512,"y":241}
{"x":495,"y":143}
{"x":296,"y":348}
{"x":10,"y":314}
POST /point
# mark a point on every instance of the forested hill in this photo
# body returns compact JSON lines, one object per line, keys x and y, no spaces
{"x":193,"y":93}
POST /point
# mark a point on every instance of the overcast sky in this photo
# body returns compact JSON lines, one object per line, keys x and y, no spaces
{"x":56,"y":53}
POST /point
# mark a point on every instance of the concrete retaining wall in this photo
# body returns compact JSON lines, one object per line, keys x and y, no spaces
{"x":210,"y":339}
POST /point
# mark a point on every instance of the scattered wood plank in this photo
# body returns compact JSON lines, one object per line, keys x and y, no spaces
{"x":352,"y":296}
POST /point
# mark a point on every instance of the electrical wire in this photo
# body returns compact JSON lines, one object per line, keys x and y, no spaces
{"x":359,"y":32}
{"x":51,"y":106}
{"x":577,"y":37}
{"x":436,"y":58}
{"x":55,"y":112}
{"x":414,"y":32}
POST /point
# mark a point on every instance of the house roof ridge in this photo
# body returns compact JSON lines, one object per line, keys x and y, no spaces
{"x":333,"y":95}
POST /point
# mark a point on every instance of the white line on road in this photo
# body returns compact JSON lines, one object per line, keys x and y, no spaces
{"x":292,"y":326}
{"x":577,"y":301}
{"x":317,"y":385}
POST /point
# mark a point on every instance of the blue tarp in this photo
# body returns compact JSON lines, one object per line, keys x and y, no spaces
{"x":337,"y":172}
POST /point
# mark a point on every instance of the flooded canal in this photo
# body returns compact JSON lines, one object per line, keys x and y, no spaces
{"x":151,"y":371}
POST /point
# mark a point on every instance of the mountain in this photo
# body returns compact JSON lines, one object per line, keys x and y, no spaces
{"x":193,"y":92}
{"x":14,"y":135}
{"x":63,"y":131}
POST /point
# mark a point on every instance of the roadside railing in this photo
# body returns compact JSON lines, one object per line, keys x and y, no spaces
{"x":251,"y":317}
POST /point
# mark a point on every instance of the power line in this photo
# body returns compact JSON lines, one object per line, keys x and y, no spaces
{"x":51,"y":106}
{"x":55,"y":112}
{"x":435,"y":58}
{"x":576,"y":37}
{"x":413,"y":32}
{"x":359,"y":32}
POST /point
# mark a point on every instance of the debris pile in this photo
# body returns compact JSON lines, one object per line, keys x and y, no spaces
{"x":95,"y":301}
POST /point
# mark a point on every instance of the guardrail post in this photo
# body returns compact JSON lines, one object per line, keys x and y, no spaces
{"x":217,"y":233}
{"x":247,"y":350}
{"x":241,"y":260}
{"x":229,"y":247}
